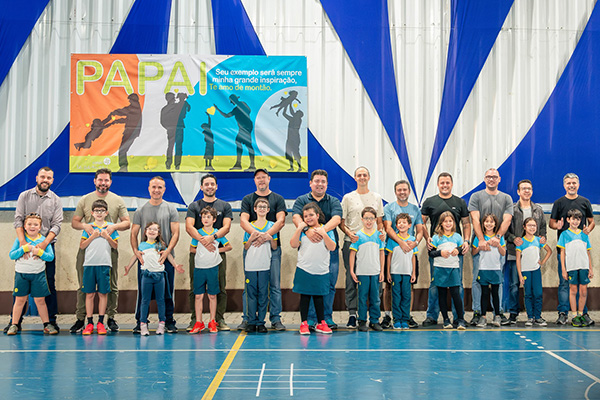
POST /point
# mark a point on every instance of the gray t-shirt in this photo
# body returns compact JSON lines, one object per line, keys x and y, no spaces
{"x":497,"y":204}
{"x":164,"y":214}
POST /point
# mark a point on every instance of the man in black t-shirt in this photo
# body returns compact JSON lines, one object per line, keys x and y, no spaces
{"x":558,"y":221}
{"x":277,"y":213}
{"x":193,"y":222}
{"x":431,"y":210}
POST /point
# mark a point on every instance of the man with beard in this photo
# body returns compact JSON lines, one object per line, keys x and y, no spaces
{"x":83,"y":220}
{"x":44,"y":202}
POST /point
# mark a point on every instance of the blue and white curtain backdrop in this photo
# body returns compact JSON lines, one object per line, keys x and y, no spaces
{"x":406,"y":88}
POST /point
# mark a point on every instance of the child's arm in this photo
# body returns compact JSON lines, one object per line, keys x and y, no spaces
{"x":130,"y":264}
{"x":547,"y":256}
{"x":45,"y":254}
{"x":591,"y":271}
{"x":413,"y":276}
{"x":329,"y":243}
{"x":18,"y":251}
{"x":178,"y":267}
{"x":521,"y":279}
{"x":381,"y":264}
{"x":295,"y":239}
{"x":389,"y":272}
{"x":352,"y":262}
{"x":562,"y":265}
{"x":86,"y":242}
{"x":225,"y":248}
{"x":192,"y":249}
{"x":474,"y":250}
{"x":502,"y":250}
{"x":113,"y":243}
{"x":251,"y":239}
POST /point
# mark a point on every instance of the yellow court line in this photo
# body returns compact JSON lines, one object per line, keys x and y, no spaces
{"x":214,"y":385}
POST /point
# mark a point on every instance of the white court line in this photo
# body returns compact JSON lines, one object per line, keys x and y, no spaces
{"x":279,"y":388}
{"x":260,"y":380}
{"x":291,"y":379}
{"x":575,"y":367}
{"x":264,"y":382}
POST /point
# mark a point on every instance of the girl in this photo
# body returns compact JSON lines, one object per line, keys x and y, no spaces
{"x":446,"y":273}
{"x":490,"y":268}
{"x":312,"y":273}
{"x":153,"y":275}
{"x":530,"y":273}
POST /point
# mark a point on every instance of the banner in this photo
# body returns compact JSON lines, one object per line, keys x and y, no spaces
{"x":144,"y":113}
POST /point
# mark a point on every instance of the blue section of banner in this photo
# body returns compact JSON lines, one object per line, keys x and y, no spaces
{"x":474,"y":28}
{"x":363,"y":28}
{"x":16,"y":23}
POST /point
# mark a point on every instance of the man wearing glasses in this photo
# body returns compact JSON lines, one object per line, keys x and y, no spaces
{"x":523,"y":209}
{"x":488,"y":201}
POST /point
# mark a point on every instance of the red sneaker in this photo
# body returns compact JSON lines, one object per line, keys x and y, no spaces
{"x":304,"y":328}
{"x":100,"y":328}
{"x":323,"y":328}
{"x":212,"y":327}
{"x":198,"y":327}
{"x":89,"y":329}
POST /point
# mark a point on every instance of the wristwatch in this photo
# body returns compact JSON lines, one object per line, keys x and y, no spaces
{"x":216,"y":236}
{"x":305,"y":229}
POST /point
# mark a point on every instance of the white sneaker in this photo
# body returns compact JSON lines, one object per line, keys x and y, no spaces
{"x":529,"y":322}
{"x":144,"y":329}
{"x":482,"y":323}
{"x":497,"y":321}
{"x":161,"y":328}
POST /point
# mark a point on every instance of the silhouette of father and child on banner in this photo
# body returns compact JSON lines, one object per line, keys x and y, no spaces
{"x":172,"y":118}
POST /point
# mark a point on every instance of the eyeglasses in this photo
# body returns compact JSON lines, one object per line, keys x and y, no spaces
{"x":492,"y":177}
{"x":99,"y":211}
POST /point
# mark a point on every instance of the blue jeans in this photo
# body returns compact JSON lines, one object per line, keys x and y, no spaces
{"x":368,"y":289}
{"x":168,"y":295}
{"x":148,"y":284}
{"x":433,"y":303}
{"x":476,"y":287}
{"x":334,"y":268}
{"x":256,"y":295}
{"x":533,"y":293}
{"x":563,"y":291}
{"x":401,"y":297}
{"x":512,"y":299}
{"x":274,"y":288}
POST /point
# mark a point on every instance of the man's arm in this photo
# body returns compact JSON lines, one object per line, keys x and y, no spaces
{"x":78,"y":224}
{"x":245,"y":223}
{"x":277,"y":225}
{"x":477,"y":225}
{"x":332,"y":223}
{"x":506,"y":220}
{"x":190,"y":229}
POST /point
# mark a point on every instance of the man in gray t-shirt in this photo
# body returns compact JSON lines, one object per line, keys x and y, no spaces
{"x":488,"y":201}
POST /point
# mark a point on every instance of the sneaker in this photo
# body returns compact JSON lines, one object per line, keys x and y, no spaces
{"x":213,"y":327}
{"x":351,"y":322}
{"x":190,"y":327}
{"x":386,"y":323}
{"x":405,"y":325}
{"x":331,"y":324}
{"x":160,"y":330}
{"x":512,"y":319}
{"x":541,"y":322}
{"x":529,"y":322}
{"x":112,"y":325}
{"x":243,"y":325}
{"x":77,"y":326}
{"x":100,"y":329}
{"x":170,"y":327}
{"x":323,"y":327}
{"x":587,"y":321}
{"x":475,"y":319}
{"x":221,"y":325}
{"x":498,"y":320}
{"x":278,"y":326}
{"x":447,"y":324}
{"x":311,"y":325}
{"x":503,"y":320}
{"x":376,"y":326}
{"x":562,"y":319}
{"x":136,"y":329}
{"x":144,"y":329}
{"x":455,"y":324}
{"x":250,"y":328}
{"x":398,"y":325}
{"x":55,"y":325}
{"x":412,"y":324}
{"x":429,"y":322}
{"x":461,"y":325}
{"x":482,"y":322}
{"x":304,"y":328}
{"x":262,"y":329}
{"x":577,"y":321}
{"x":50,"y":329}
{"x":89,"y":329}
{"x":362,"y":326}
{"x":7,"y":327}
{"x":12,"y":330}
{"x":197,"y":327}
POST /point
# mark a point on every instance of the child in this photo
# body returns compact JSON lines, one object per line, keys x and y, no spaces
{"x":311,"y":279}
{"x":490,"y":268}
{"x":257,"y":269}
{"x":576,"y":263}
{"x":30,"y":273}
{"x":153,"y":275}
{"x":446,"y":273}
{"x":206,"y":271}
{"x":530,"y":273}
{"x":96,"y":266}
{"x":368,"y":253}
{"x":402,"y":272}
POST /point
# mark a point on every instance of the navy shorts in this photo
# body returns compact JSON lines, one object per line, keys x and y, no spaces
{"x":579,"y":277}
{"x":96,"y":279}
{"x":34,"y":284}
{"x":206,"y":280}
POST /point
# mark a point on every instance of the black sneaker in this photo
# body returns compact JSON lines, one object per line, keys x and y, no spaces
{"x":250,"y":328}
{"x":386,"y":323}
{"x":587,"y":320}
{"x":512,"y":319}
{"x":243,"y":325}
{"x":503,"y":320}
{"x":77,"y":326}
{"x":137,"y":329}
{"x":562,"y":319}
{"x":170,"y":327}
{"x":362,"y":326}
{"x":429,"y":322}
{"x":112,"y":325}
{"x":261,"y":329}
{"x":376,"y":326}
{"x":475,"y":319}
{"x":351,"y":322}
{"x":412,"y":324}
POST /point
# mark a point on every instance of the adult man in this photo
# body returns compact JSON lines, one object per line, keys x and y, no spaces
{"x":332,"y":209}
{"x":524,"y":208}
{"x":432,"y":208}
{"x":488,"y":201}
{"x":391,"y":210}
{"x":558,"y":220}
{"x":44,"y":202}
{"x":157,"y":210}
{"x":193,"y":222}
{"x":83,"y":220}
{"x":276,"y":214}
{"x":352,"y":205}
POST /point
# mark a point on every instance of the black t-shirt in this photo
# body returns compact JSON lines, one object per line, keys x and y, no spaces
{"x":561,"y":207}
{"x":223,"y":211}
{"x":276,"y":205}
{"x":434,"y":206}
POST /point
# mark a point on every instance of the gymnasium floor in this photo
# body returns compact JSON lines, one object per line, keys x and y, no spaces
{"x":499,"y":363}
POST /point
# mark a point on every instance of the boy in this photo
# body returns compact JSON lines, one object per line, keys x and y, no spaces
{"x":96,"y":266}
{"x":368,"y":253}
{"x":402,"y":272}
{"x":257,"y":268}
{"x":576,"y":264}
{"x":206,"y":271}
{"x":30,"y":273}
